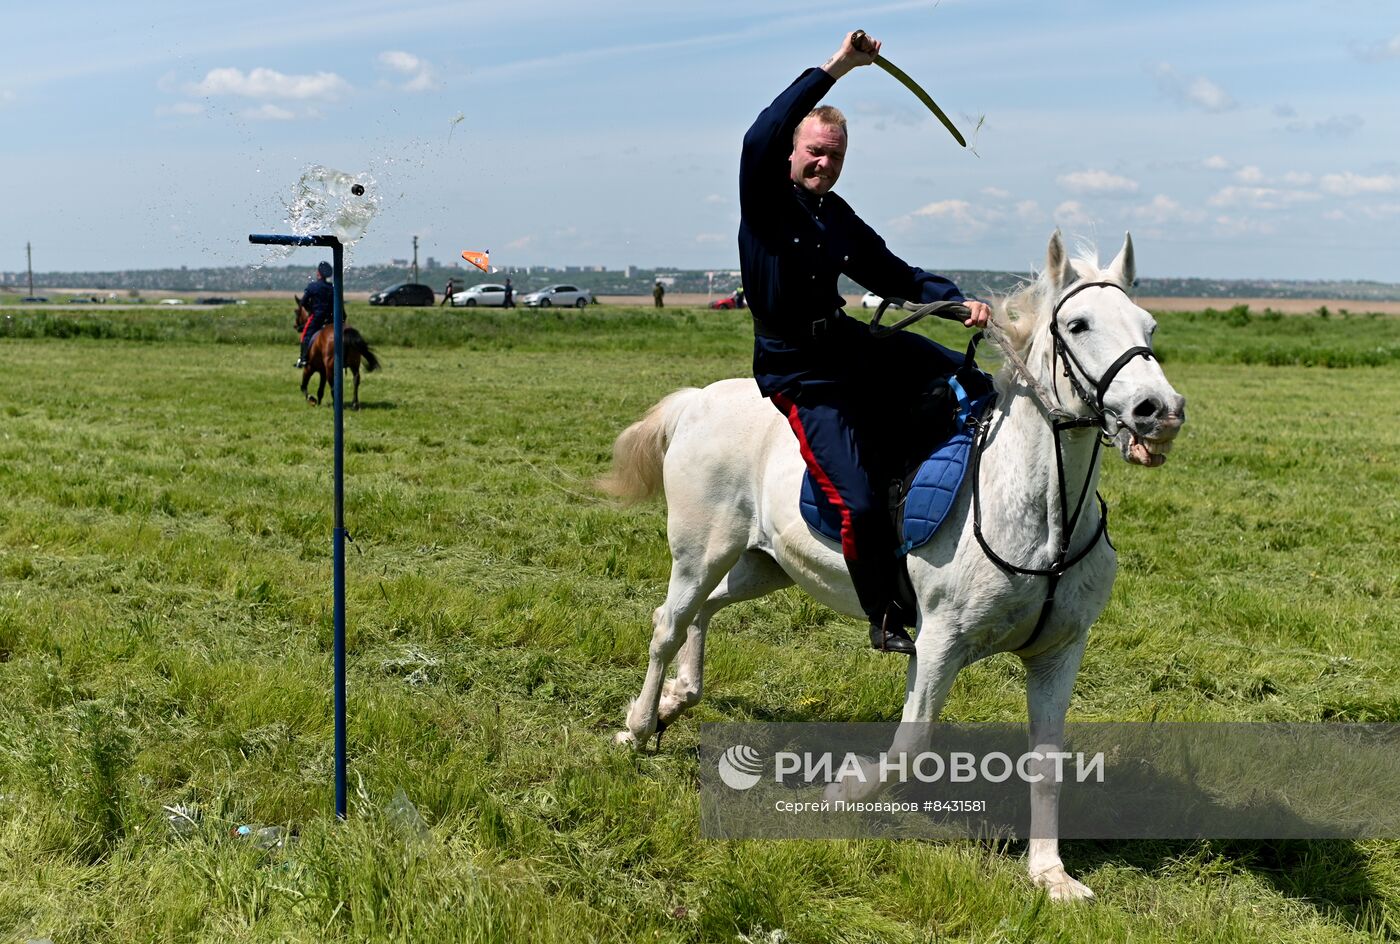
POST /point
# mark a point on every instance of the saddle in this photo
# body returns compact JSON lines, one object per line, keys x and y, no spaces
{"x":931,"y":470}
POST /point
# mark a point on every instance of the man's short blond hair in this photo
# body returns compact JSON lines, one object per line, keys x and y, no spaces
{"x":827,"y":115}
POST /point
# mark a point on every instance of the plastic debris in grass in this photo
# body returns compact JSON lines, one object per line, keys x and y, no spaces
{"x":406,"y":818}
{"x":264,"y":837}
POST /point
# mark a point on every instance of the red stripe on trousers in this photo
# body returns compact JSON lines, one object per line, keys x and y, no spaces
{"x":848,"y":537}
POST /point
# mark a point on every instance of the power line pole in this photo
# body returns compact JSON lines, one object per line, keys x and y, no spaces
{"x":415,"y":258}
{"x":29,"y":264}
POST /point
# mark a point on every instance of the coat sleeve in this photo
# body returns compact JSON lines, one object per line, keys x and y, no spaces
{"x":763,"y":166}
{"x":872,"y":265}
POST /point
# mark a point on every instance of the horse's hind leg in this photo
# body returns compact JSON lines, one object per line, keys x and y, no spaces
{"x":693,"y":577}
{"x":355,"y":372}
{"x":753,"y":575}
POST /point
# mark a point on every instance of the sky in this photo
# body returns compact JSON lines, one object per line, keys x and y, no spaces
{"x":1236,"y":139}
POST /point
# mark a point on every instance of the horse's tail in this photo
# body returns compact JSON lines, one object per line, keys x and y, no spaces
{"x":638,"y":452}
{"x":354,"y":341}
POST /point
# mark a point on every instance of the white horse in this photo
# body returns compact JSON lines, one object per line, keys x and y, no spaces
{"x":731,"y":470}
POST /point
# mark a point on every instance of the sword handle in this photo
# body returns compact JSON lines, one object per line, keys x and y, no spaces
{"x":861,"y":42}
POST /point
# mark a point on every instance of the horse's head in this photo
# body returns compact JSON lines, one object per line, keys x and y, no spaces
{"x":1082,"y":337}
{"x":302,"y":313}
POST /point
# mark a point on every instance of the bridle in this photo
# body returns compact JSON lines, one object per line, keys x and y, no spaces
{"x":1061,"y":421}
{"x":1063,"y":351}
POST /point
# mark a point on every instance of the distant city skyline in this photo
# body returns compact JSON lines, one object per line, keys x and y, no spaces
{"x":1241,"y":140}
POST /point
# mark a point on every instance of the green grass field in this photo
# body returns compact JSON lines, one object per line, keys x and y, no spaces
{"x":165,"y":634}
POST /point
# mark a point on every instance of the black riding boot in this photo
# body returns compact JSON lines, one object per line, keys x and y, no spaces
{"x":890,"y":634}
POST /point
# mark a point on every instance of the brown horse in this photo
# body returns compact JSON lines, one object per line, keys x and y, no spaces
{"x":321,"y":359}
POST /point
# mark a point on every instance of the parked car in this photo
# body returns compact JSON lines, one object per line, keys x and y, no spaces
{"x":172,"y":301}
{"x":405,"y":293}
{"x":487,"y":293}
{"x":870,"y":300}
{"x":734,"y":299}
{"x":558,"y":295}
{"x":34,"y":299}
{"x":221,"y":300}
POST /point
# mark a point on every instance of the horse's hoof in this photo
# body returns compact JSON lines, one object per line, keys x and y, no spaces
{"x":1060,"y":887}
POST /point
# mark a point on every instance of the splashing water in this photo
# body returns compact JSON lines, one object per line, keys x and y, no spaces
{"x":324,"y":200}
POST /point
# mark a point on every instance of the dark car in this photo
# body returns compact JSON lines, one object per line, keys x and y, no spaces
{"x":405,"y":293}
{"x":33,"y":299}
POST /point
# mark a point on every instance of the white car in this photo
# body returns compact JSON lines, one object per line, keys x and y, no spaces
{"x":870,"y":300}
{"x":558,"y":295}
{"x":487,"y":293}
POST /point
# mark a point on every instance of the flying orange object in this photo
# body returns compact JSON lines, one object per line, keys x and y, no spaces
{"x":482,"y":260}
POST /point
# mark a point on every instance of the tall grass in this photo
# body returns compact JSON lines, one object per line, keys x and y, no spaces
{"x":165,"y":633}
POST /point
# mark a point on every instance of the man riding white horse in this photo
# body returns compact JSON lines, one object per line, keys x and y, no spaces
{"x":827,"y":374}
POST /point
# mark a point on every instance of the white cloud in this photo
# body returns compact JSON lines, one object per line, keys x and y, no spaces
{"x":1350,"y":185}
{"x":1336,"y":126}
{"x":959,"y":211}
{"x":1261,"y":198}
{"x":1215,"y":162}
{"x":1390,"y":49}
{"x":1096,"y":181}
{"x":716,"y":199}
{"x":1232,"y":226}
{"x":180,"y":109}
{"x":1249,"y":174}
{"x":1296,"y":178}
{"x":269,"y":112}
{"x":996,"y":193}
{"x":418,"y":71}
{"x":1163,"y":209}
{"x":522,"y":243}
{"x":1197,"y":91}
{"x":1028,"y":210}
{"x":269,"y":83}
{"x":7,"y":97}
{"x":1071,"y":213}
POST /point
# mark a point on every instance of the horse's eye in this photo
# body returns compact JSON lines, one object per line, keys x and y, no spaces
{"x":1078,"y":326}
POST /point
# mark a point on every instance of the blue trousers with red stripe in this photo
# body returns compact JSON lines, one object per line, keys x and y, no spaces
{"x":846,"y":425}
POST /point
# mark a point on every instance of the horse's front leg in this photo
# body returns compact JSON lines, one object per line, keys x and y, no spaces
{"x":355,"y":401}
{"x":1049,"y":681}
{"x":321,"y":389}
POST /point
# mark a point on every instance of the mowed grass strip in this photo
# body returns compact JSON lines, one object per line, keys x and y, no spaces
{"x":165,"y":637}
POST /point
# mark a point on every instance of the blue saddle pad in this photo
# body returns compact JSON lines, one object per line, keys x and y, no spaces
{"x":936,"y":483}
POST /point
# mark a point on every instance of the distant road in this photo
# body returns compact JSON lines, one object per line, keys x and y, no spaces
{"x":1289,"y":306}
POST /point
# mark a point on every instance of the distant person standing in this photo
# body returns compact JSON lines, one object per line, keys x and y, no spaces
{"x":659,"y":293}
{"x":448,"y":292}
{"x":510,"y":294}
{"x":319,"y":302}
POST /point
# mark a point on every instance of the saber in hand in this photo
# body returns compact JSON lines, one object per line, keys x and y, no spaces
{"x":859,"y":41}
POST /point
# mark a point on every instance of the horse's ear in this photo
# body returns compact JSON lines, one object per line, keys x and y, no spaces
{"x":1057,"y":266}
{"x":1124,"y":269}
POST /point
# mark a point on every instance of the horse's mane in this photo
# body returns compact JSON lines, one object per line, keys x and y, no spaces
{"x":1024,"y":315}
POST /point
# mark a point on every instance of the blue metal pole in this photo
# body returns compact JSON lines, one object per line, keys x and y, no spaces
{"x":338,"y":540}
{"x":339,"y":533}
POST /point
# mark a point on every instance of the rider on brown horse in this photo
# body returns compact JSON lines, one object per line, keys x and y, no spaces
{"x":319,"y":301}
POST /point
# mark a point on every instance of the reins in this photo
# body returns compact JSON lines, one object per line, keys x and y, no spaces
{"x":1061,"y":421}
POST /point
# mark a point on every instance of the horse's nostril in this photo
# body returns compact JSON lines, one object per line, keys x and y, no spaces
{"x":1148,"y":407}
